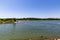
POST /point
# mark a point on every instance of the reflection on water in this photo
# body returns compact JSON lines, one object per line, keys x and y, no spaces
{"x":13,"y":31}
{"x":14,"y":27}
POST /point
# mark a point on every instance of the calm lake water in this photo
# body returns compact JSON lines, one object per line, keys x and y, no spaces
{"x":27,"y":29}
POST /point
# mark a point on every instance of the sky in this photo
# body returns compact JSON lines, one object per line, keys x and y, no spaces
{"x":29,"y":8}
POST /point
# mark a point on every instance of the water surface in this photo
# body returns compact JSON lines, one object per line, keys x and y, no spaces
{"x":29,"y":28}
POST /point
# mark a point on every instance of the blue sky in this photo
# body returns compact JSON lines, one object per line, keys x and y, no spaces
{"x":30,"y":8}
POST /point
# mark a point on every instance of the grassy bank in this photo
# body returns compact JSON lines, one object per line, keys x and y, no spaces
{"x":7,"y":20}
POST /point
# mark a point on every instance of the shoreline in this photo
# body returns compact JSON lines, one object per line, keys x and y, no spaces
{"x":40,"y":38}
{"x":43,"y":38}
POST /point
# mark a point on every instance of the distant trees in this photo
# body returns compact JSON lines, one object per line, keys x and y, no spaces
{"x":38,"y":19}
{"x":12,"y":20}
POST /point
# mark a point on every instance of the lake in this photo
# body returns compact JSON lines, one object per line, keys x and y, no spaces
{"x":30,"y":28}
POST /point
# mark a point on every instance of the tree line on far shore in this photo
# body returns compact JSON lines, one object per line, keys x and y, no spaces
{"x":12,"y":20}
{"x":38,"y":18}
